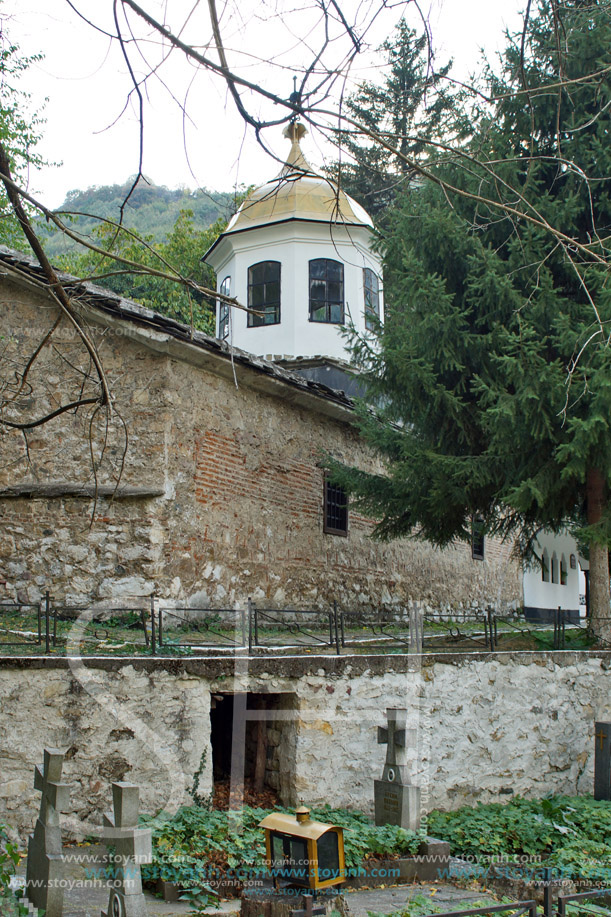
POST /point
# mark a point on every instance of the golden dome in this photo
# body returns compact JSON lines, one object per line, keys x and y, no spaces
{"x":298,"y":193}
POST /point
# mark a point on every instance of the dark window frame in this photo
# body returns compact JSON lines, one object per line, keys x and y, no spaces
{"x":335,"y":510}
{"x":555,"y":567}
{"x":372,"y":303}
{"x":478,"y":538}
{"x":326,"y":302}
{"x":269,"y":306}
{"x":545,"y":567}
{"x":225,"y":289}
{"x":564,"y":571}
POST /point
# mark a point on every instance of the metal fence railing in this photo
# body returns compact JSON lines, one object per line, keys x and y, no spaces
{"x":153,"y":626}
{"x":579,"y":905}
{"x":515,"y":909}
{"x":595,"y":902}
{"x":12,"y":633}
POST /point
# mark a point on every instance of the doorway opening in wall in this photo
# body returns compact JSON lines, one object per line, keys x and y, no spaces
{"x":254,"y":741}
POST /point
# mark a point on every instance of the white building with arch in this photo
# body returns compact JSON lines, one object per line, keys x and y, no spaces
{"x":557,"y":580}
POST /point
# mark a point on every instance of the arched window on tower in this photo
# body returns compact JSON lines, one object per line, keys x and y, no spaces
{"x":545,"y":567}
{"x":224,"y":290}
{"x":264,"y":293}
{"x":326,"y":291}
{"x":371,"y":288}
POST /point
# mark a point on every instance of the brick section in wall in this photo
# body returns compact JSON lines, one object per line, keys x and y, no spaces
{"x":223,"y":473}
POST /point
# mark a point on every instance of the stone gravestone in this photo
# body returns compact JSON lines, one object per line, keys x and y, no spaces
{"x":45,"y":868}
{"x":132,"y":847}
{"x":602,"y":761}
{"x":397,"y":800}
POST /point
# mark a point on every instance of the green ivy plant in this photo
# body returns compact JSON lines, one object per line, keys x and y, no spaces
{"x":9,"y":860}
{"x":198,"y":844}
{"x":200,"y":898}
{"x":203,"y":800}
{"x":569,"y":832}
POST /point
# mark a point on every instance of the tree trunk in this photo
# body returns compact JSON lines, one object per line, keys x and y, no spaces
{"x":600,"y":596}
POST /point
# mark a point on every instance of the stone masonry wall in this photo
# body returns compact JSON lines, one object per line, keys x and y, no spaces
{"x":489,"y":727}
{"x":228,"y":487}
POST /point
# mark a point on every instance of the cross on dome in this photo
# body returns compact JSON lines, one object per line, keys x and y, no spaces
{"x":295,"y":160}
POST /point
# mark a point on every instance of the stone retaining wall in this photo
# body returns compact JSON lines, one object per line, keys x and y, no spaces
{"x":489,"y":726}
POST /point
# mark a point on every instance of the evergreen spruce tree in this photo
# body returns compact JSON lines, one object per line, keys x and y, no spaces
{"x":493,"y":377}
{"x":413,"y":104}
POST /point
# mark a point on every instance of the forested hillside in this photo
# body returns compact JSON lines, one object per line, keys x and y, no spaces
{"x":171,"y":232}
{"x":152,"y":210}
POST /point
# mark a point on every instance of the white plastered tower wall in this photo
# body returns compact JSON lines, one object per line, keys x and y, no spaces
{"x":294,"y":219}
{"x":294,"y":244}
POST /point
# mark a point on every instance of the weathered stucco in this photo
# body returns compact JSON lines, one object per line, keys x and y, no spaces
{"x":221,"y":487}
{"x":488,"y":726}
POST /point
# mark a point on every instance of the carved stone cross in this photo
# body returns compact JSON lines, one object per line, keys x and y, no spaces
{"x":44,"y":872}
{"x":393,"y":735}
{"x":55,"y":794}
{"x":397,"y":800}
{"x":132,"y":847}
{"x":396,"y":736}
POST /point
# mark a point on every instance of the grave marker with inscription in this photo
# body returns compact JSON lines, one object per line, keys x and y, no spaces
{"x":45,"y":867}
{"x":602,"y":761}
{"x":397,"y":800}
{"x":131,"y":847}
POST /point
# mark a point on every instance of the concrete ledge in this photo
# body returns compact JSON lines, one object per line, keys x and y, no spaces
{"x":295,"y":666}
{"x":433,"y":857}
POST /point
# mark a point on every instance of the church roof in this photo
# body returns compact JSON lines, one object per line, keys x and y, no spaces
{"x":298,"y":193}
{"x":161,"y":333}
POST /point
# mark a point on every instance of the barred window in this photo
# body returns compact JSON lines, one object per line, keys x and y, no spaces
{"x":371,"y":287}
{"x":477,"y":538}
{"x":326,"y":291}
{"x":225,"y":290}
{"x":264,"y":293}
{"x":335,"y":509}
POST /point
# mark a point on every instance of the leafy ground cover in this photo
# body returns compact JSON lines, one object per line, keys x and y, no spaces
{"x":9,"y":860}
{"x":420,"y":905}
{"x":197,"y":845}
{"x":571,"y":834}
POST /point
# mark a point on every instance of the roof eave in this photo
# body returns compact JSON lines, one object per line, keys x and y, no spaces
{"x":332,"y":223}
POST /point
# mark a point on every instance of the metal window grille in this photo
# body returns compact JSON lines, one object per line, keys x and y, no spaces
{"x":335,"y":509}
{"x":477,"y":538}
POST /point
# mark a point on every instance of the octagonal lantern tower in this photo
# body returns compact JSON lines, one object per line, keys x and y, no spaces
{"x":299,"y":252}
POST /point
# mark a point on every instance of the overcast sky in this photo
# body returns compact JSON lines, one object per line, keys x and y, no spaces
{"x":84,"y":78}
